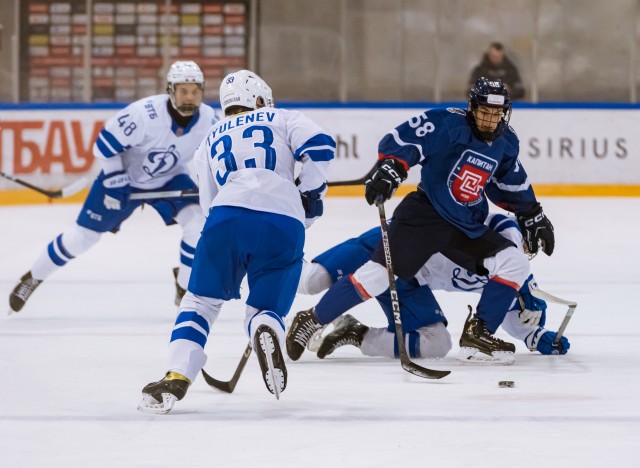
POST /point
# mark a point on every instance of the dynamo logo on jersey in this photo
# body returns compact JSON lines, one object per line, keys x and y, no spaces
{"x":465,"y":280}
{"x":161,"y":161}
{"x":469,"y":177}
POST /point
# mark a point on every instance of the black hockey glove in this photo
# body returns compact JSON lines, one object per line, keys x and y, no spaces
{"x":384,"y":181}
{"x":536,"y":228}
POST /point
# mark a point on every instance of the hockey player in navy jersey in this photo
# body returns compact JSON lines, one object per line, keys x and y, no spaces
{"x":257,"y":212}
{"x":465,"y":158}
{"x":145,"y":147}
{"x":423,"y":321}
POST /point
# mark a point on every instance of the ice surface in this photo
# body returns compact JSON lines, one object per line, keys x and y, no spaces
{"x":75,"y":359}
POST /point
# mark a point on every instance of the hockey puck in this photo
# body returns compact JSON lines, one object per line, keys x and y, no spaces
{"x":506,"y":384}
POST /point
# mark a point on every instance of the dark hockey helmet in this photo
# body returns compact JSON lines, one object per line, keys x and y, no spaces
{"x":492,"y":94}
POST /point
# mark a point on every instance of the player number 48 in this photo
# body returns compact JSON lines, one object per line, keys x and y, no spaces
{"x":128,"y":129}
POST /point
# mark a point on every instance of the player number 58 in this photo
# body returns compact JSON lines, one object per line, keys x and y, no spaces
{"x":421,"y":130}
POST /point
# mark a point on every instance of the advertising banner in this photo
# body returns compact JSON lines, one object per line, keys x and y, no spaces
{"x":557,"y":146}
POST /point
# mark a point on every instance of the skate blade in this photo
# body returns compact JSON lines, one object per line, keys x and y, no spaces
{"x":274,"y":378}
{"x":151,"y":405}
{"x":473,"y":356}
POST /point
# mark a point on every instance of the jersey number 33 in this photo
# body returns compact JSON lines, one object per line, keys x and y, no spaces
{"x":261,"y":137}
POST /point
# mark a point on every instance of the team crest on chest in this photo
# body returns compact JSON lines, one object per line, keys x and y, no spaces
{"x":161,"y":161}
{"x":469,"y":177}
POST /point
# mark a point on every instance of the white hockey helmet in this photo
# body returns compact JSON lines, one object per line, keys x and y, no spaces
{"x":244,"y":88}
{"x":184,"y":72}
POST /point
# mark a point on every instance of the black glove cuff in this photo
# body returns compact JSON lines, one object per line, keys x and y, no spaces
{"x":396,"y":165}
{"x":531,"y":212}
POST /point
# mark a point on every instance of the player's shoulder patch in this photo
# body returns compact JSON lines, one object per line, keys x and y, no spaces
{"x":456,"y":110}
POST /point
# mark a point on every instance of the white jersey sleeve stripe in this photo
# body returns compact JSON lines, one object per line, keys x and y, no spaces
{"x":513,"y":188}
{"x":104,"y":149}
{"x":396,"y":137}
{"x":113,"y":141}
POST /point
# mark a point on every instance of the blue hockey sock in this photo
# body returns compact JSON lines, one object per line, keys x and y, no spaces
{"x":495,"y":301}
{"x":340,"y":297}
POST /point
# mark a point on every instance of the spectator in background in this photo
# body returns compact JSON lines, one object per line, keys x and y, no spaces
{"x":495,"y":64}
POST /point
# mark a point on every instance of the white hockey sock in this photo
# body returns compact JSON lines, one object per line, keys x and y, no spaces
{"x":313,"y":279}
{"x":435,"y":341}
{"x":191,"y":221}
{"x":186,"y":358}
{"x":378,"y":342}
{"x":186,"y":350}
{"x":255,"y":318}
{"x":63,"y":248}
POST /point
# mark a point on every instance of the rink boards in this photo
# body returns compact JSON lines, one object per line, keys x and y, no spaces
{"x":580,"y":150}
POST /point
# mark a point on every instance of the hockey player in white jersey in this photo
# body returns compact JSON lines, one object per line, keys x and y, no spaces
{"x":424,"y":323}
{"x":144,"y":147}
{"x":256,"y":216}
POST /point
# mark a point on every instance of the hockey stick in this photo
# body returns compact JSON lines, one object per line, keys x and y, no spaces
{"x":229,"y":386}
{"x":194,"y":193}
{"x":165,"y":194}
{"x":75,"y":187}
{"x":360,"y":181}
{"x":407,"y":364}
{"x":545,"y":296}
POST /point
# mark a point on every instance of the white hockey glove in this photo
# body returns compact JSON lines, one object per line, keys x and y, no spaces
{"x":530,"y":317}
{"x":534,"y":310}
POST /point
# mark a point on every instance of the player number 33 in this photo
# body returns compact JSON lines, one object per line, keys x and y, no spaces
{"x":222,"y":150}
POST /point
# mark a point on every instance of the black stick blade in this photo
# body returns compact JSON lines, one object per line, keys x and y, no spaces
{"x":229,"y":386}
{"x":218,"y":384}
{"x":423,"y":372}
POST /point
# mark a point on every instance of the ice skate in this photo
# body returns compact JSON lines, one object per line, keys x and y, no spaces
{"x":180,"y":292}
{"x":477,"y":345}
{"x":159,"y":397}
{"x":267,"y":348}
{"x":316,"y":339}
{"x":302,"y":328}
{"x":22,"y":292}
{"x":348,"y":331}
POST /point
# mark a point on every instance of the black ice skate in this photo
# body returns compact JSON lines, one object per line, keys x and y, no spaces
{"x":302,"y":328}
{"x":22,"y":292}
{"x":348,"y":331}
{"x":478,"y":345}
{"x":159,"y":397}
{"x":180,"y":292}
{"x":267,"y":348}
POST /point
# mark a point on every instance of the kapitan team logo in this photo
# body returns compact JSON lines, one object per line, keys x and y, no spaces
{"x":469,"y":177}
